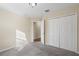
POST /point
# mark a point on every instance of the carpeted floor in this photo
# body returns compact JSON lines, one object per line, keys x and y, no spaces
{"x":38,"y":49}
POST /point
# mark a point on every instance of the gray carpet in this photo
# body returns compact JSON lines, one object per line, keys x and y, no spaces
{"x":38,"y":49}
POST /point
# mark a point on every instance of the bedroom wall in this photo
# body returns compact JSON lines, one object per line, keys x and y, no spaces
{"x":24,"y":24}
{"x":9,"y":22}
{"x":7,"y":29}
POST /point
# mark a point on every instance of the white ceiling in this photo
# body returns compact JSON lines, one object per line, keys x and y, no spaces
{"x":25,"y":10}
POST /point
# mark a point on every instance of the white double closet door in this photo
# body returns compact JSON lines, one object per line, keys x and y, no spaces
{"x":62,"y":32}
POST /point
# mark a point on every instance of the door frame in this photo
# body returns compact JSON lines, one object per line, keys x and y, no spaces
{"x":40,"y":29}
{"x":43,"y":31}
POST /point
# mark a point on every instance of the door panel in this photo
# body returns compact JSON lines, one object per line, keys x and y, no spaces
{"x":53,"y":32}
{"x":68,"y":39}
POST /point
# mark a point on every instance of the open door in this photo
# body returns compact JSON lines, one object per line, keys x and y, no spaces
{"x":42,"y":32}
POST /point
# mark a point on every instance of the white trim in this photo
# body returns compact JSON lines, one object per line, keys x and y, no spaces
{"x":32,"y":32}
{"x":6,"y":49}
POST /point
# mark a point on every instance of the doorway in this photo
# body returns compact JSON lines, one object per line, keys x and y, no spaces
{"x":38,"y":31}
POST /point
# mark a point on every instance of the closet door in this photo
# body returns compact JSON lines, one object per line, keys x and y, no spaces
{"x":53,"y":32}
{"x":68,"y":33}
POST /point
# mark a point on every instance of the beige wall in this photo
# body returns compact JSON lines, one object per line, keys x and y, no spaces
{"x":7,"y":29}
{"x":37,"y":29}
{"x":9,"y":22}
{"x":24,"y":24}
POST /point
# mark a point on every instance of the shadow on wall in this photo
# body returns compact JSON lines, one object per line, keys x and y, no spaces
{"x":21,"y":39}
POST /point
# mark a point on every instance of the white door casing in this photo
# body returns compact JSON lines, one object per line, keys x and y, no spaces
{"x":42,"y":32}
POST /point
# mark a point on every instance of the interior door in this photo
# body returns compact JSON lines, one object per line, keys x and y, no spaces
{"x":68,"y":33}
{"x":53,"y":32}
{"x":42,"y":32}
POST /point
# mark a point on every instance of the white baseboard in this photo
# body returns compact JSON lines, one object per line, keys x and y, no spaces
{"x":6,"y":49}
